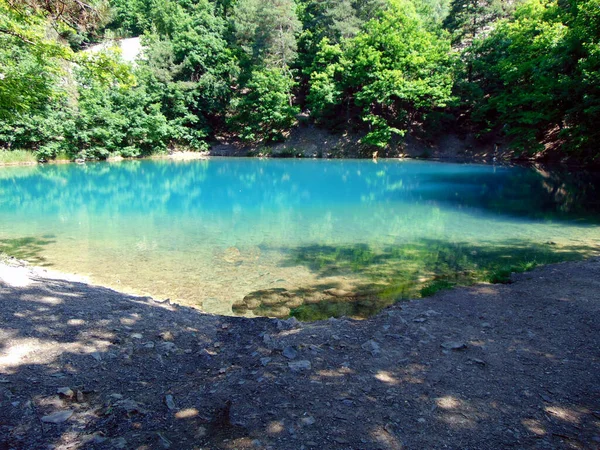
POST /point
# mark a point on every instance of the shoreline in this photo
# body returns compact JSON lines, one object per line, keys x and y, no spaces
{"x":486,"y":367}
{"x":311,"y":142}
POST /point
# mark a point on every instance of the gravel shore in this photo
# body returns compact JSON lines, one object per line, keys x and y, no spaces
{"x":484,"y":367}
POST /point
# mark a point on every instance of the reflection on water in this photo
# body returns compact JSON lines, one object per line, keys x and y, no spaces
{"x":310,"y":238}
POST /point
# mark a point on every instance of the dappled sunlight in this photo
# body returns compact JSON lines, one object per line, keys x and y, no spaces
{"x":385,"y":436}
{"x":564,"y":413}
{"x":275,"y":427}
{"x":20,"y":350}
{"x":46,"y":300}
{"x":76,"y":322}
{"x":534,"y":426}
{"x":386,"y":377}
{"x":13,"y":276}
{"x":485,"y":290}
{"x":333,"y":373}
{"x":448,"y":402}
{"x":187,"y":413}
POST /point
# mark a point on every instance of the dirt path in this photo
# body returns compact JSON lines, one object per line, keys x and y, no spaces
{"x":487,"y":367}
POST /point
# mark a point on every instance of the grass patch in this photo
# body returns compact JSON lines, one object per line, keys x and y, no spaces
{"x":502,"y":274}
{"x":436,"y":286}
{"x":17,"y":157}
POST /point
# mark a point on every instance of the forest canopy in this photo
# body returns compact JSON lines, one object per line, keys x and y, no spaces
{"x":523,"y":71}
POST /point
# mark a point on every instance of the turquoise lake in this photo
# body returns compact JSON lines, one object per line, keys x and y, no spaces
{"x":275,"y":237}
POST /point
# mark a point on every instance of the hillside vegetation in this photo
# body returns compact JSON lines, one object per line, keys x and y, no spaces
{"x":526,"y":73}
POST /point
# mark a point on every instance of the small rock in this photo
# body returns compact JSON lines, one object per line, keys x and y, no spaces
{"x":288,"y":324}
{"x":290,"y":352}
{"x":264,"y":361}
{"x":79,"y":396}
{"x":371,"y":346}
{"x":164,"y":441}
{"x":307,"y":421}
{"x":297,"y":366}
{"x":93,"y":439}
{"x":166,"y":336}
{"x":256,"y":443}
{"x":454,"y":345}
{"x":481,"y":362}
{"x":137,"y":336}
{"x":486,"y":325}
{"x":96,"y":356}
{"x":65,"y":392}
{"x":119,"y":443}
{"x":420,"y":319}
{"x":168,"y":347}
{"x":4,"y":380}
{"x":149,"y":345}
{"x":130,"y":406}
{"x":421,"y":420}
{"x":57,"y":417}
{"x":169,"y":402}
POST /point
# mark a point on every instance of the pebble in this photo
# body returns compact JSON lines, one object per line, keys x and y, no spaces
{"x":290,"y":352}
{"x":166,"y":336}
{"x":297,"y":366}
{"x":96,"y":356}
{"x":119,"y":443}
{"x":169,"y":401}
{"x":371,"y":346}
{"x":136,"y":336}
{"x":306,"y":421}
{"x":57,"y":417}
{"x":65,"y":392}
{"x":264,"y":361}
{"x":454,"y":345}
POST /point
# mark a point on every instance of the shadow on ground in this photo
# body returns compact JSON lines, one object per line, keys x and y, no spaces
{"x":487,"y":367}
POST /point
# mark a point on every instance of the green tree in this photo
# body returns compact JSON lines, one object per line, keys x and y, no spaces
{"x":266,"y":31}
{"x":535,"y":78}
{"x":264,"y":113}
{"x":395,"y":71}
{"x":468,"y":19}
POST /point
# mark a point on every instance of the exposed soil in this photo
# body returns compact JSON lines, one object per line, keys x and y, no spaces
{"x":484,"y":367}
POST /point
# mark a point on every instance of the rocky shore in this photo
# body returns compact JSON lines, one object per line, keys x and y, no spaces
{"x":484,"y":367}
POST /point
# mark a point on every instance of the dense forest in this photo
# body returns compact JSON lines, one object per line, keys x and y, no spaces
{"x":526,"y":72}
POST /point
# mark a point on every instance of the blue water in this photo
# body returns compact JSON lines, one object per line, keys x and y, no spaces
{"x":209,"y":233}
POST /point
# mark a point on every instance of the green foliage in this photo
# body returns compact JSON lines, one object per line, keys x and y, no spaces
{"x":536,"y":76}
{"x":392,"y":72}
{"x":245,"y":68}
{"x":264,"y":112}
{"x":266,"y":31}
{"x":16,"y":157}
{"x":436,"y":286}
{"x":468,"y":19}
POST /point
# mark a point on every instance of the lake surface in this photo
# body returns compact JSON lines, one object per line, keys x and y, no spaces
{"x":312,"y":238}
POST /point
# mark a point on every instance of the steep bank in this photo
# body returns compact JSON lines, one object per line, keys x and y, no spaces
{"x":484,"y":367}
{"x":311,"y":142}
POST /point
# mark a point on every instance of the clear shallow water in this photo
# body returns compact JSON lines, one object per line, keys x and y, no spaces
{"x":310,"y":237}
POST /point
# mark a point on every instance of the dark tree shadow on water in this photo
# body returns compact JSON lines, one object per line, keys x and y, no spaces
{"x":27,"y":248}
{"x":386,"y":275}
{"x":146,"y":375}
